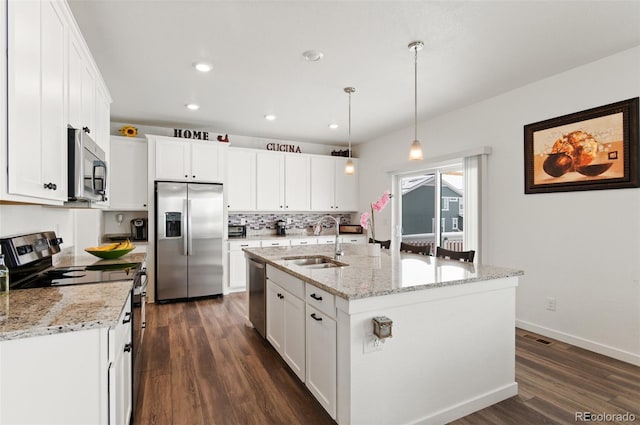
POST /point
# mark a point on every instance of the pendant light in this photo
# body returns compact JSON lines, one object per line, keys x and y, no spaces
{"x":415,"y":154}
{"x":349,"y":168}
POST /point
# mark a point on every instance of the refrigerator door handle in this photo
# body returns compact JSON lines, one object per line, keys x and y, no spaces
{"x":185,"y":247}
{"x":190,"y":233}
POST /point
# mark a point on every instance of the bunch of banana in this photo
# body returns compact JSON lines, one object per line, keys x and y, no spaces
{"x":113,"y":246}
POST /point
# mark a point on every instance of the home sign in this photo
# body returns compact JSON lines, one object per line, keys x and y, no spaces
{"x":191,"y":134}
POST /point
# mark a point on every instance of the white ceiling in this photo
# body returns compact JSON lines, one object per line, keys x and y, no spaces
{"x":473,"y":50}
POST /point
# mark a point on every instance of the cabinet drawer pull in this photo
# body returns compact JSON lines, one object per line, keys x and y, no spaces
{"x":275,"y":244}
{"x":127,"y":318}
{"x":314,"y":317}
{"x":127,"y":348}
{"x":315,"y":297}
{"x":244,"y":244}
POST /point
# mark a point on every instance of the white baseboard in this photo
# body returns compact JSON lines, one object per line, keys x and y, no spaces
{"x":467,"y":407}
{"x":596,"y":347}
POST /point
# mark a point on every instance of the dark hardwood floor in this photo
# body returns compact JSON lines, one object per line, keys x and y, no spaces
{"x":202,"y":365}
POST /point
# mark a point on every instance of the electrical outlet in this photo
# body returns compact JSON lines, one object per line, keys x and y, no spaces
{"x":550,"y":304}
{"x":372,"y":343}
{"x":289,"y":220}
{"x":243,"y":221}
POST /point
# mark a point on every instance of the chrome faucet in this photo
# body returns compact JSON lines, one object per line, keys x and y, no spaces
{"x":338,"y":247}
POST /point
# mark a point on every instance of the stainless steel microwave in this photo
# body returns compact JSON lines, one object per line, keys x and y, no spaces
{"x":87,"y":168}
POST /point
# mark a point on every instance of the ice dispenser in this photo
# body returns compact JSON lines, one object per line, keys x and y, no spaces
{"x":173,"y":224}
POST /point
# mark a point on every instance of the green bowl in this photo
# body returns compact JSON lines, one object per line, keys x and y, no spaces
{"x":110,"y":255}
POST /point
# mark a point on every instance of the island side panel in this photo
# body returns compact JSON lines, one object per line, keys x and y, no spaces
{"x":452,"y":353}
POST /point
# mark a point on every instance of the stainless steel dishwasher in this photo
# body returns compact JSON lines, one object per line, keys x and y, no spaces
{"x":257,"y":298}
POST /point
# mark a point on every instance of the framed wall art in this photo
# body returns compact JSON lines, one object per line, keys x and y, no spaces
{"x":587,"y":150}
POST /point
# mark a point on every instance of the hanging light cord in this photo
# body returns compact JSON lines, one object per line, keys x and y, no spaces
{"x":349,"y":123}
{"x":415,"y":95}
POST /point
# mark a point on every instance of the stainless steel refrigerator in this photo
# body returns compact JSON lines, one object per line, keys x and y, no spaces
{"x":189,"y":232}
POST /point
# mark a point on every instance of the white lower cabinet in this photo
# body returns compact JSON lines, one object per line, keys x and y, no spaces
{"x":285,"y":326}
{"x":358,"y":239}
{"x":321,"y":358}
{"x":121,"y":368}
{"x":301,"y":326}
{"x":79,"y":377}
{"x":304,"y":241}
{"x":275,"y":242}
{"x":238,"y":264}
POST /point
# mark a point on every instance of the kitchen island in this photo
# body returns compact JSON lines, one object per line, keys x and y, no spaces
{"x":452,"y":350}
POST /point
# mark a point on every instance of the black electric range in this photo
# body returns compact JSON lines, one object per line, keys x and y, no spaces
{"x":29,"y":259}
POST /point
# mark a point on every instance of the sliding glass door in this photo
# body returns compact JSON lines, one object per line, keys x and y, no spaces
{"x":432,"y":207}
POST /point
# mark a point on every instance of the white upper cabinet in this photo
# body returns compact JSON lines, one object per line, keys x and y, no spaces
{"x":128,"y":173}
{"x":270,"y":181}
{"x":331,"y":188}
{"x":282,"y":182}
{"x":51,"y":83}
{"x":88,"y":100}
{"x":207,"y":160}
{"x":297,"y":177}
{"x":346,"y":186}
{"x":322,"y":183}
{"x":76,"y":70}
{"x":188,"y":160}
{"x":241,"y":180}
{"x":36,"y":101}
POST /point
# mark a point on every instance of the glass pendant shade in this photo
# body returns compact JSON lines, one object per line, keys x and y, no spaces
{"x":415,"y":154}
{"x":349,"y":168}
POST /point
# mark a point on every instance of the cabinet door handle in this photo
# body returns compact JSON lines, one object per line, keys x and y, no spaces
{"x":314,"y":317}
{"x":127,"y":348}
{"x":86,"y":130}
{"x":144,"y":325}
{"x":127,"y":318}
{"x":315,"y":297}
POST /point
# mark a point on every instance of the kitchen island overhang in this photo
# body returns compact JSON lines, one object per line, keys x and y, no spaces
{"x":453,"y":346}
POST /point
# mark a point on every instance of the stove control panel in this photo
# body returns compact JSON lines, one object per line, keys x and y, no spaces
{"x":24,"y":249}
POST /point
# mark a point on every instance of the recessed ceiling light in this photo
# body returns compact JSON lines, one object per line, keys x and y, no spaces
{"x":269,"y":117}
{"x":313,"y":55}
{"x":203,"y":66}
{"x":333,"y":126}
{"x":192,"y":106}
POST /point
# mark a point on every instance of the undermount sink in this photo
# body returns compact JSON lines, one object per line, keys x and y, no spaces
{"x":315,"y":262}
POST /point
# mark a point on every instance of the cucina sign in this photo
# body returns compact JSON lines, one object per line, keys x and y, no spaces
{"x":283,"y":148}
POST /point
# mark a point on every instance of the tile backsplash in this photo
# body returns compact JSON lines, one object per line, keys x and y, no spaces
{"x":265,"y":223}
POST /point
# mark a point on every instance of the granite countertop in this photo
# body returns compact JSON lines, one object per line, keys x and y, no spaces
{"x":374,"y":276}
{"x":44,"y":311}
